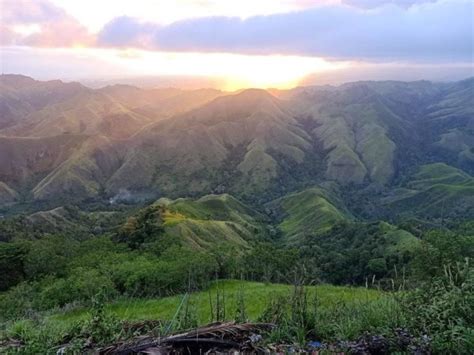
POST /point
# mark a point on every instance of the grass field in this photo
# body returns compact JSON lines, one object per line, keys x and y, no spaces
{"x":334,"y":313}
{"x":256,"y":296}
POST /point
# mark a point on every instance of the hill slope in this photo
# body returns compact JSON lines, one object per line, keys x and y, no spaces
{"x":367,"y":137}
{"x":205,"y":223}
{"x":229,"y":144}
{"x":309,"y":212}
{"x":436,"y":190}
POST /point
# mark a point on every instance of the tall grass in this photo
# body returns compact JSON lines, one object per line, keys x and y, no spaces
{"x":326,"y":313}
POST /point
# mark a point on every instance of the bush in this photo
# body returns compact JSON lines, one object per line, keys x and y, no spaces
{"x":49,"y":256}
{"x":12,"y":257}
{"x":82,"y":285}
{"x":178,"y":270}
{"x":377,"y":266}
{"x":265,"y":262}
{"x":444,"y":309}
{"x":440,"y":248}
{"x":18,"y":301}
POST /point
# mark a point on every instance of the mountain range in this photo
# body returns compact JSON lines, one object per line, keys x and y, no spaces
{"x":306,"y":157}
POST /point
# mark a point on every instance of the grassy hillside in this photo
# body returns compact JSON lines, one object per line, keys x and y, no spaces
{"x":311,"y":211}
{"x":337,"y":312}
{"x":203,"y":224}
{"x":21,"y":96}
{"x":436,"y":190}
{"x":355,"y":129}
{"x":85,"y":173}
{"x":211,"y":220}
{"x":24,"y":161}
{"x":39,"y":109}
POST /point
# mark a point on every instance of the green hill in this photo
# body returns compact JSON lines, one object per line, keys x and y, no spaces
{"x":436,"y":190}
{"x":204,"y":223}
{"x":311,"y":211}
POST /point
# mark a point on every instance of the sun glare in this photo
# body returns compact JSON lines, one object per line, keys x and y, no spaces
{"x":233,"y":71}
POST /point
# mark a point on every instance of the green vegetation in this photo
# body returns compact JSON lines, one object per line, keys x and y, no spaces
{"x":256,"y":295}
{"x":308,"y":212}
{"x":142,"y":271}
{"x":339,"y":313}
{"x":209,"y":221}
{"x":360,"y":253}
{"x":437,"y":190}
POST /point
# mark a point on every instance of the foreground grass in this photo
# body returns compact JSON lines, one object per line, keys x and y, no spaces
{"x":256,"y":296}
{"x":338,"y":313}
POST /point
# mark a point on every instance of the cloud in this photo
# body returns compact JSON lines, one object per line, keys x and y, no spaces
{"x":364,"y":4}
{"x":439,"y":31}
{"x":7,"y":36}
{"x":370,"y":4}
{"x":64,"y":33}
{"x":55,"y":27}
{"x":128,"y":32}
{"x":27,"y":11}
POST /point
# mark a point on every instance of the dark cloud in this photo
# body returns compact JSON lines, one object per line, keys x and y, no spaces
{"x":439,"y":31}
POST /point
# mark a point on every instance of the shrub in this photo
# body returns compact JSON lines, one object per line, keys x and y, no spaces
{"x":12,"y":257}
{"x":18,"y":301}
{"x":178,"y":270}
{"x":49,"y":256}
{"x":82,"y":285}
{"x":444,"y":309}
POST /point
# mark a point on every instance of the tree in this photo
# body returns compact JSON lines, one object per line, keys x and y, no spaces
{"x":11,"y":264}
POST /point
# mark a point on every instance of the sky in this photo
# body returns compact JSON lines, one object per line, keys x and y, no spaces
{"x":232,"y":44}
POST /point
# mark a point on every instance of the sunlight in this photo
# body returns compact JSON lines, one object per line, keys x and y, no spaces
{"x":235,"y":70}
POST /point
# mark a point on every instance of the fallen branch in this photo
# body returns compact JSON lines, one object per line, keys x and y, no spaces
{"x":213,"y":336}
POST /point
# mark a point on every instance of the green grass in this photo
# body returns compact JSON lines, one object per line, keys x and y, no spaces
{"x":439,"y":173}
{"x":172,"y":218}
{"x":400,"y":240}
{"x":309,"y":212}
{"x":256,"y":296}
{"x":204,"y":222}
{"x":334,"y":313}
{"x":436,"y":190}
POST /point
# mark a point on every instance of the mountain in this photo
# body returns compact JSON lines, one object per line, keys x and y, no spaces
{"x":330,"y":152}
{"x":33,"y":108}
{"x":231,"y":144}
{"x":204,"y":223}
{"x":21,"y":95}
